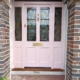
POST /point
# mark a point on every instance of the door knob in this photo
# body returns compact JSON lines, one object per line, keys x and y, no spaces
{"x":24,"y":25}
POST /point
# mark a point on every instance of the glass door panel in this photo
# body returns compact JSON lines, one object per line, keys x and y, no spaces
{"x":58,"y":24}
{"x":18,"y":24}
{"x":44,"y":24}
{"x":31,"y":24}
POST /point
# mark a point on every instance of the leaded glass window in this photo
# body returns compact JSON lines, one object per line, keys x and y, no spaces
{"x":58,"y":19}
{"x":31,"y":24}
{"x":44,"y":24}
{"x":18,"y":24}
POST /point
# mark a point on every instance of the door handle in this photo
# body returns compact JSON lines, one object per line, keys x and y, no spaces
{"x":24,"y":25}
{"x":37,"y":17}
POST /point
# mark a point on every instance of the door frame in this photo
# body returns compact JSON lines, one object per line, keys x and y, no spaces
{"x":21,"y":4}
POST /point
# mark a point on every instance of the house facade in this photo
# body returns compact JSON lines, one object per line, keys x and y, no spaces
{"x":43,"y":34}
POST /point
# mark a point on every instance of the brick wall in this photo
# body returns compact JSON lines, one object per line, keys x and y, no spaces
{"x":73,"y":41}
{"x":4,"y":39}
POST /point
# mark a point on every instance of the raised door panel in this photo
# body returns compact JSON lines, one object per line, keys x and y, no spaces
{"x":44,"y":57}
{"x":57,"y":57}
{"x":31,"y":55}
{"x":18,"y":57}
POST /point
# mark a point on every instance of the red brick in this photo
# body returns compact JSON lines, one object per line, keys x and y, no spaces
{"x":76,"y":38}
{"x":75,"y":54}
{"x":77,"y":12}
{"x":77,"y":22}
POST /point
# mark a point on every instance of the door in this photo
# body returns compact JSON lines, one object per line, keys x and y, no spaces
{"x":37,"y":40}
{"x":38,"y":35}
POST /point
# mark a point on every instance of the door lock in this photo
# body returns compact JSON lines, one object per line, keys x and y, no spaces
{"x":24,"y":25}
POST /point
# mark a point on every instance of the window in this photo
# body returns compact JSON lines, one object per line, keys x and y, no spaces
{"x":18,"y":24}
{"x":31,"y":24}
{"x":44,"y":24}
{"x":58,"y":21}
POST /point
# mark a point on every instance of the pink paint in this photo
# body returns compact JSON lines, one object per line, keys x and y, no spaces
{"x":48,"y":55}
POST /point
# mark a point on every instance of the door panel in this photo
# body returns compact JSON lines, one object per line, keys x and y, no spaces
{"x":31,"y":55}
{"x":57,"y":58}
{"x":58,"y":40}
{"x":17,"y":31}
{"x":41,"y":35}
{"x":44,"y":56}
{"x":18,"y":58}
{"x":30,"y":51}
{"x":37,"y":45}
{"x":44,"y":23}
{"x":31,"y":24}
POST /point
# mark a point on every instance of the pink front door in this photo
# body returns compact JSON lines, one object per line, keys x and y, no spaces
{"x":38,"y":32}
{"x":37,"y":39}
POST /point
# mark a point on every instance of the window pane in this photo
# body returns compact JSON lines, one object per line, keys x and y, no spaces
{"x":44,"y":24}
{"x":58,"y":18}
{"x":31,"y":24}
{"x":44,"y":13}
{"x":31,"y":13}
{"x":18,"y":25}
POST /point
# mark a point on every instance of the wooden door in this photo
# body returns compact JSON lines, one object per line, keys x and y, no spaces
{"x":37,"y":40}
{"x":38,"y":32}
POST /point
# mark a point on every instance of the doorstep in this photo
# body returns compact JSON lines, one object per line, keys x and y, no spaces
{"x":37,"y":71}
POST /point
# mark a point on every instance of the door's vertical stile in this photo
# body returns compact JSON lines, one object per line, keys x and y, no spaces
{"x":52,"y":33}
{"x":62,"y":33}
{"x":38,"y":24}
{"x":13,"y":28}
{"x":38,"y":32}
{"x":50,"y":28}
{"x":23,"y":35}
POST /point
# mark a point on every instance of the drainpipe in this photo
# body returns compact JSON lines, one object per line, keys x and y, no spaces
{"x":65,"y":1}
